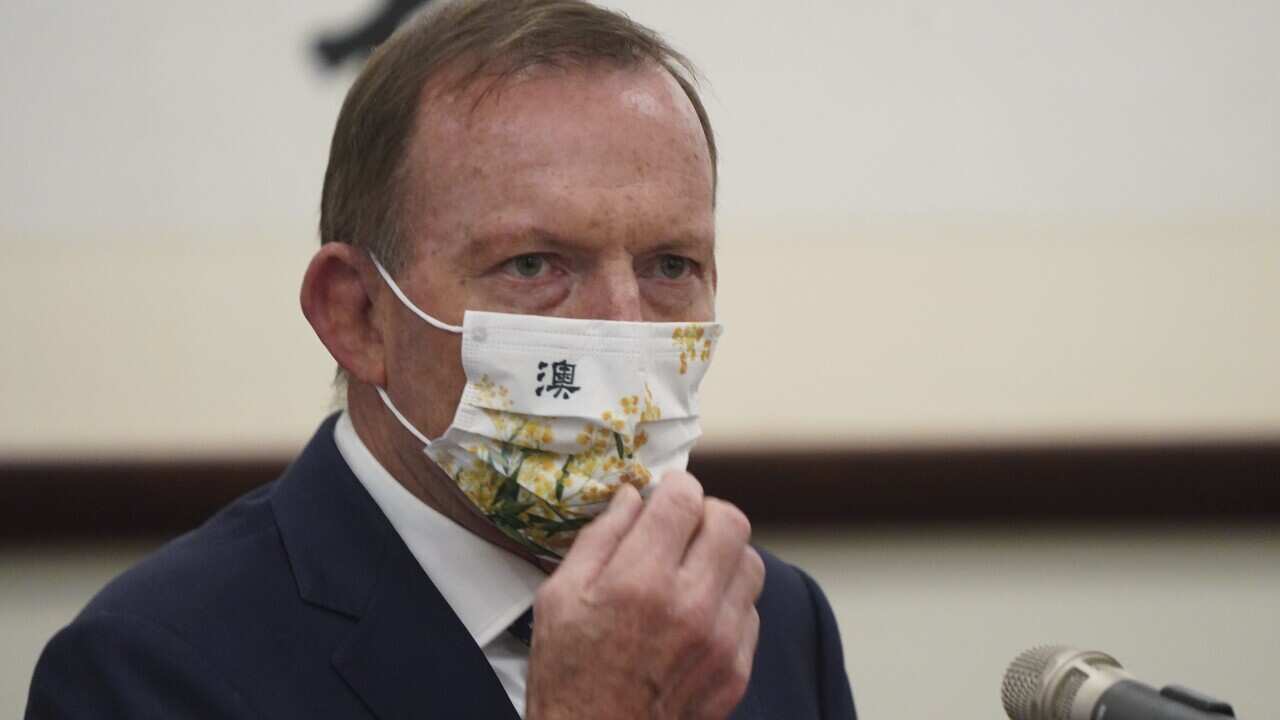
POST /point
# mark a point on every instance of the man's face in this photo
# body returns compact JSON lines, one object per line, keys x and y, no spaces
{"x":580,"y":193}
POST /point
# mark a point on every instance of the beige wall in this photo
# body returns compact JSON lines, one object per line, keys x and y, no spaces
{"x":940,"y":221}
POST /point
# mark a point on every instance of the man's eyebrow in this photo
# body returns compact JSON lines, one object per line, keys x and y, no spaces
{"x":500,"y":243}
{"x":684,"y":243}
{"x":489,"y":243}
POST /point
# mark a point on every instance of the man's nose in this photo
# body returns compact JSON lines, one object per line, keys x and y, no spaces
{"x":613,"y":293}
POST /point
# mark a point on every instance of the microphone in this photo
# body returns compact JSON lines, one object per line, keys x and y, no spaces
{"x":1056,"y":682}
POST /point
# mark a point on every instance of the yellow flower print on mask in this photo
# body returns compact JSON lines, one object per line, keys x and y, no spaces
{"x":614,"y":422}
{"x":477,"y":480}
{"x":511,"y":486}
{"x":530,"y":433}
{"x":491,"y":394}
{"x":630,"y":405}
{"x":494,"y":399}
{"x":693,"y":343}
{"x":541,"y":498}
{"x":651,"y":410}
{"x":538,"y":473}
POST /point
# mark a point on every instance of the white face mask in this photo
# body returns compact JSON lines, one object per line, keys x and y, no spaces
{"x":558,"y":413}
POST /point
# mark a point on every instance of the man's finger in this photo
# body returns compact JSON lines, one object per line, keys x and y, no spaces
{"x":724,"y":688}
{"x":748,"y":580}
{"x":598,"y":541}
{"x":662,"y":532}
{"x":715,"y":554}
{"x":750,"y":637}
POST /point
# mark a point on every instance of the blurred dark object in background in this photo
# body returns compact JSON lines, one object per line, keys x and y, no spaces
{"x":336,"y":48}
{"x":1132,"y":485}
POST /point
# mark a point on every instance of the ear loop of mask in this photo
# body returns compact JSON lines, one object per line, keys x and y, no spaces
{"x":386,"y":400}
{"x":382,"y":393}
{"x":456,"y":329}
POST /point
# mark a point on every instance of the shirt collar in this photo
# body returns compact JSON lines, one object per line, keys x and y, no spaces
{"x":487,"y":587}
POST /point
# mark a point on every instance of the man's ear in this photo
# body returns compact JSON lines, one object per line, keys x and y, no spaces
{"x":337,"y":299}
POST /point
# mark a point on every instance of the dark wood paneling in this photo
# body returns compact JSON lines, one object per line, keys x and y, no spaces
{"x":49,"y":501}
{"x":1108,"y":484}
{"x":1023,"y":484}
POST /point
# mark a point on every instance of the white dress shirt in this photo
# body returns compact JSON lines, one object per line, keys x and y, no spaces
{"x":487,"y":587}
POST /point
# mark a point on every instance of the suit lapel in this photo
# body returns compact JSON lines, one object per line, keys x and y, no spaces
{"x":407,"y":655}
{"x":410,"y":655}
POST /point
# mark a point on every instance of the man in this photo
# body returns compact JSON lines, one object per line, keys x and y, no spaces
{"x":550,"y":161}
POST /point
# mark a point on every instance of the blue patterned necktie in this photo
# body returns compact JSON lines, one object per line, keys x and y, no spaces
{"x":522,"y":628}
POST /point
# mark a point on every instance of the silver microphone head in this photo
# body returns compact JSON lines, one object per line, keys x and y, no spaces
{"x":1057,"y":682}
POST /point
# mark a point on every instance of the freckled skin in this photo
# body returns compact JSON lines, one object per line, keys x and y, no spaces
{"x":598,"y":169}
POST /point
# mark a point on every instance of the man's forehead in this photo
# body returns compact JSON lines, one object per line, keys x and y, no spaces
{"x":460,"y":99}
{"x":547,"y":136}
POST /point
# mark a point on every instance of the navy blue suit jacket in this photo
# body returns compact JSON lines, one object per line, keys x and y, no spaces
{"x":299,"y":600}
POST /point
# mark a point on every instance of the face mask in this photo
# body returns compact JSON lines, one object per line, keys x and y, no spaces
{"x":558,"y":413}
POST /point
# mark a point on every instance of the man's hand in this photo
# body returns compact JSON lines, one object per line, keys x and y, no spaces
{"x":652,"y":614}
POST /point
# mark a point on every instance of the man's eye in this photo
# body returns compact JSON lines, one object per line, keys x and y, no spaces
{"x":528,"y":266}
{"x":673,"y":267}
